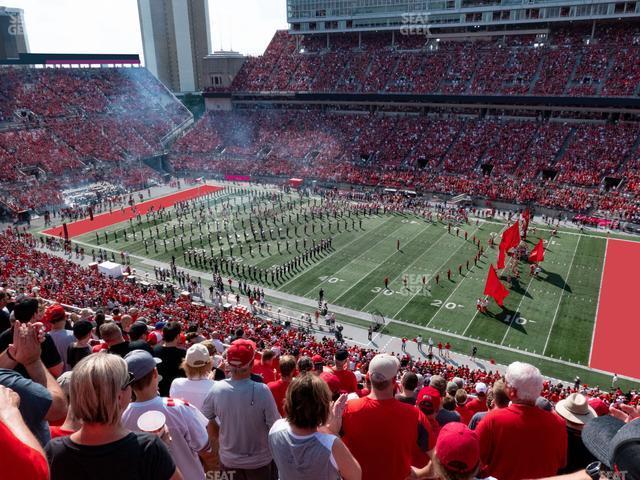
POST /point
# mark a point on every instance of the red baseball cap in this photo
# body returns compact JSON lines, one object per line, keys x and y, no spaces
{"x":458,"y":448}
{"x":599,"y":406}
{"x":53,"y":313}
{"x":241,"y":352}
{"x":317,"y":359}
{"x":428,"y":400}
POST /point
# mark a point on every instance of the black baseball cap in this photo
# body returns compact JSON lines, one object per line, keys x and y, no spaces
{"x":615,"y":443}
{"x":138,"y":329}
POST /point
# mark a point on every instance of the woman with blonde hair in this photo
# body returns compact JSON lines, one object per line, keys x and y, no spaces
{"x":100,"y":391}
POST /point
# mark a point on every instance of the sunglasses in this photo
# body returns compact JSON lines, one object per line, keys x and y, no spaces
{"x":131,"y":378}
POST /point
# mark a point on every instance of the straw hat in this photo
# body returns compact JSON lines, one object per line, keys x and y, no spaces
{"x":575,"y":408}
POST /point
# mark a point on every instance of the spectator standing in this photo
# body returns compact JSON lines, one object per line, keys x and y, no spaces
{"x":348,"y":381}
{"x":503,"y":429}
{"x":246,"y":411}
{"x":301,"y":448}
{"x":448,"y":413}
{"x":381,"y":416}
{"x":5,"y":323}
{"x":71,"y":422}
{"x":264,"y":366}
{"x":80,"y":348}
{"x":171,"y":356}
{"x":457,"y":453}
{"x":576,"y":412}
{"x":138,"y":333}
{"x":28,"y":310}
{"x":56,"y":317}
{"x":113,"y":338}
{"x":479,"y":402}
{"x":408,"y":386}
{"x":185,"y":423}
{"x":195,"y":387}
{"x":279,"y":387}
{"x":103,"y":448}
{"x":42,"y":400}
{"x":498,"y":397}
{"x":461,"y":406}
{"x":21,"y":456}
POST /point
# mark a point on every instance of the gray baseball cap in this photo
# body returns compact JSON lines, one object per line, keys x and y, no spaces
{"x":140,"y":363}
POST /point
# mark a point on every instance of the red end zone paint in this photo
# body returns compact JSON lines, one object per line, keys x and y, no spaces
{"x":617,"y":329}
{"x":105,"y":219}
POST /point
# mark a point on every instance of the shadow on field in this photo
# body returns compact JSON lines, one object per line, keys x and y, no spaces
{"x":517,"y":287}
{"x":506,"y":317}
{"x":557,"y":280}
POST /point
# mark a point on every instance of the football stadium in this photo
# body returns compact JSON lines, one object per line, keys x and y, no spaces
{"x":416,"y":221}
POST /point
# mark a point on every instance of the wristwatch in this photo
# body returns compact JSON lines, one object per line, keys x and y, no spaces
{"x":593,"y":470}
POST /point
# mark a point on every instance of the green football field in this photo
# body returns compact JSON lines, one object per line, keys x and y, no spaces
{"x":548,"y":320}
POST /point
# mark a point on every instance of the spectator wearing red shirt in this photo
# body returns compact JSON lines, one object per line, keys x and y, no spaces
{"x":21,"y":456}
{"x":498,"y":397}
{"x":457,"y":453}
{"x":382,"y":432}
{"x":264,"y":366}
{"x":522,"y":441}
{"x":479,"y":402}
{"x":348,"y":381}
{"x":461,"y":406}
{"x":279,"y":387}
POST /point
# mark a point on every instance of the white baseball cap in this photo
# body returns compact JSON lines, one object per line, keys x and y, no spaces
{"x":197,"y":356}
{"x":481,"y":387}
{"x":383,"y":367}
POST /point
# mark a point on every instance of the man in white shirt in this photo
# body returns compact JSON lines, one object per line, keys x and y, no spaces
{"x":186,"y":425}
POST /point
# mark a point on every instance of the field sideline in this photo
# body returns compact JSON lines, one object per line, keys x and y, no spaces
{"x":551,"y":316}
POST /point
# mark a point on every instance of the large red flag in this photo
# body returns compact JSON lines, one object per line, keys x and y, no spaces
{"x":501,"y":253}
{"x":510,"y":239}
{"x":537,"y":254}
{"x":511,"y":236}
{"x":494,"y":287}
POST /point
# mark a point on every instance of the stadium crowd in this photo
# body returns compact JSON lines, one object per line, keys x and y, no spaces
{"x":152,"y":385}
{"x":65,"y":126}
{"x":498,"y":159}
{"x":574,"y":62}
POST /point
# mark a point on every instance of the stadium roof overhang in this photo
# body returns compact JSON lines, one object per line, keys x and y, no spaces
{"x":73,"y":59}
{"x":619,"y":104}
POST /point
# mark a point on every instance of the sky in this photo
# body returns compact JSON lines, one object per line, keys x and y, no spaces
{"x":112,"y":26}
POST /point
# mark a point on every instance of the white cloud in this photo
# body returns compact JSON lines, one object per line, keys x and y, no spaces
{"x":112,"y":26}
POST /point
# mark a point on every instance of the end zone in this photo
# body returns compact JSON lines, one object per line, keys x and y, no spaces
{"x":617,"y":327}
{"x":103,"y":220}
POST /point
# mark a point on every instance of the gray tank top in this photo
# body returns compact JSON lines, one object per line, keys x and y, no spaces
{"x":302,"y":458}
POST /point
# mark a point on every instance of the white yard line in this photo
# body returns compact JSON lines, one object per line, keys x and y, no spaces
{"x":378,"y":266}
{"x":595,"y":322}
{"x":447,"y":299}
{"x":515,"y":314}
{"x":555,"y":315}
{"x":441,"y":266}
{"x":403,"y":272}
{"x":359,"y":237}
{"x":470,"y":322}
